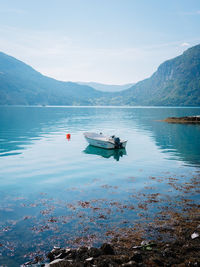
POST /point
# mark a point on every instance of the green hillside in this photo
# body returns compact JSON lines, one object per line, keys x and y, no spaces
{"x":176,"y":82}
{"x":22,"y":85}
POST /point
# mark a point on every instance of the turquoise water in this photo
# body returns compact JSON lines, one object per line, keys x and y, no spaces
{"x":53,"y":190}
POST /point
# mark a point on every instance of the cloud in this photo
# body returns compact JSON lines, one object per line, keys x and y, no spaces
{"x":185,"y":44}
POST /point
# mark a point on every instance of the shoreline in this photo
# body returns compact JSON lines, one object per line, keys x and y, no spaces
{"x":171,"y":238}
{"x":177,"y":245}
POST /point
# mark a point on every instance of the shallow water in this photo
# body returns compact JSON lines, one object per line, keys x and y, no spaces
{"x":54,"y":190}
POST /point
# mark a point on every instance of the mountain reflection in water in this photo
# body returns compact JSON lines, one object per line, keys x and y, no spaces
{"x":106,"y":153}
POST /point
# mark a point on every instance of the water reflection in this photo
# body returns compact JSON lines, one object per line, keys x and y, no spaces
{"x":181,"y":141}
{"x":20,"y":127}
{"x":46,"y":179}
{"x":177,"y":141}
{"x":105,"y":153}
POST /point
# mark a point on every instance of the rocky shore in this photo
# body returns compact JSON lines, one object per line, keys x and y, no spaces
{"x":177,"y":253}
{"x":170,"y":238}
{"x":184,"y":251}
{"x":186,"y":119}
{"x":177,"y":244}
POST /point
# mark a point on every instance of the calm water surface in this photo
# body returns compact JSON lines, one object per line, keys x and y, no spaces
{"x":53,"y":190}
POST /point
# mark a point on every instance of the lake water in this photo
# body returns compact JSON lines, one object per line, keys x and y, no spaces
{"x":53,"y":191}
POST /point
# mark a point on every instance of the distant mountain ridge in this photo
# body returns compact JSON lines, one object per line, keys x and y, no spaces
{"x":107,"y":87}
{"x":175,"y":83}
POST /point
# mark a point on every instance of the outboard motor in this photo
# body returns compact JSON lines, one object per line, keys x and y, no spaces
{"x":117,"y":142}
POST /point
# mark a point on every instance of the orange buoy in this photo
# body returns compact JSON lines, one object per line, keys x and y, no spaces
{"x":68,"y":136}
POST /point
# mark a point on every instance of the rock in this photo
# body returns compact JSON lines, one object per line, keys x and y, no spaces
{"x":82,"y":254}
{"x":105,"y":261}
{"x":158,"y":262}
{"x":59,"y":263}
{"x":94,"y":252}
{"x":107,"y":249}
{"x":137,"y":256}
{"x":82,"y":250}
{"x":28,"y":263}
{"x":194,"y":235}
{"x":50,"y":256}
{"x":89,"y":259}
{"x":78,"y":264}
{"x":58,"y":253}
{"x":168,"y":253}
{"x":186,"y":119}
{"x":120,"y":259}
{"x":72,"y":254}
{"x":137,"y":247}
{"x":145,"y":243}
{"x":129,"y":264}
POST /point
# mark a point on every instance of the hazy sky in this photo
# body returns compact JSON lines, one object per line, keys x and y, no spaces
{"x":108,"y":41}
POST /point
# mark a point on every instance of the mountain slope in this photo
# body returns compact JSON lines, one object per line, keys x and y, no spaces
{"x":176,"y":82}
{"x":22,"y":85}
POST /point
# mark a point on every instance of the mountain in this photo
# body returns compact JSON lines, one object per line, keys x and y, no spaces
{"x":107,"y":87}
{"x":176,"y":82}
{"x":20,"y":84}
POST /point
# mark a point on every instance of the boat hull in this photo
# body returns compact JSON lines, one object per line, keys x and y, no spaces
{"x":104,"y":143}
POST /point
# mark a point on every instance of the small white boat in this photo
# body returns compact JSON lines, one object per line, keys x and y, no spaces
{"x":108,"y":142}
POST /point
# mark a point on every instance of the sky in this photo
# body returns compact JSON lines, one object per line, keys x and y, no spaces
{"x":106,"y":41}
